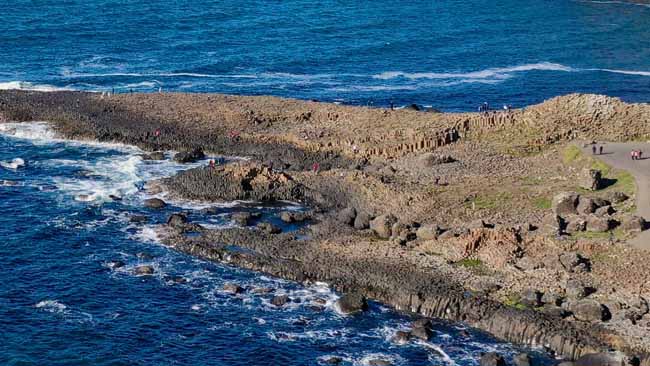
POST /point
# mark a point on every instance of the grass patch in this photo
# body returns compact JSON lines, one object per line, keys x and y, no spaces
{"x":571,"y":154}
{"x":476,"y":266}
{"x":615,"y":234}
{"x":514,"y":301}
{"x":543,"y":203}
{"x":489,"y":201}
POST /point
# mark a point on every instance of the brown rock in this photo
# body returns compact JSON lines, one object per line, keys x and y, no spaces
{"x":590,"y":179}
{"x":383,"y":225}
{"x":565,"y":203}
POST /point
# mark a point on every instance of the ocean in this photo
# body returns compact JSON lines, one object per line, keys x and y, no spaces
{"x":449,"y":55}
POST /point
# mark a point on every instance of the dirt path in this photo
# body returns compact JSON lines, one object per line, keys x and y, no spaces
{"x":617,"y":155}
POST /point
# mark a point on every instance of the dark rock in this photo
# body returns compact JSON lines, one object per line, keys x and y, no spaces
{"x":565,"y":203}
{"x":333,"y":360}
{"x":280,"y":300}
{"x":424,"y":333}
{"x":351,"y":303}
{"x":189,"y":156}
{"x":145,"y":270}
{"x":383,"y":225}
{"x":362,"y":221}
{"x":177,"y":220}
{"x":241,"y":218}
{"x":115,"y":264}
{"x":156,"y":203}
{"x":232,"y":288}
{"x":156,"y":155}
{"x":269,"y":228}
{"x":139,"y":219}
{"x":522,"y":359}
{"x":554,"y":310}
{"x":492,"y":359}
{"x":144,"y":256}
{"x":178,"y":280}
{"x":589,"y":310}
{"x":347,"y":216}
{"x":401,"y":337}
{"x":379,"y":362}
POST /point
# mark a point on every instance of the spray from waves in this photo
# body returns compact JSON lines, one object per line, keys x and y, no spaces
{"x":58,"y":308}
{"x":25,"y":85}
{"x":494,"y":73}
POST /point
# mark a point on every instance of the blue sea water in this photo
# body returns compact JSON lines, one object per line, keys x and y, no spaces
{"x":61,"y":303}
{"x":450,"y":54}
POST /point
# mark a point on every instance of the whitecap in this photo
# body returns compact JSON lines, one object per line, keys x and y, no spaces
{"x":26,"y":85}
{"x":14,"y":164}
{"x":498,"y":73}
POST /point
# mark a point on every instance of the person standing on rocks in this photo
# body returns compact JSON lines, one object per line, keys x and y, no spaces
{"x":315,"y":168}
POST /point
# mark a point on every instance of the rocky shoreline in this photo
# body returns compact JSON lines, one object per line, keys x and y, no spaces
{"x":378,"y":183}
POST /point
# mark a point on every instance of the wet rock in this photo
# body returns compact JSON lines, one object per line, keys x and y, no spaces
{"x":115,"y":264}
{"x":351,"y":303}
{"x":291,"y":216}
{"x":156,"y":155}
{"x":401,"y":337}
{"x":177,"y":220}
{"x":153,"y":188}
{"x":269,"y":228}
{"x":492,"y":359}
{"x":522,"y":359}
{"x":617,"y":197}
{"x":428,"y":232}
{"x":179,"y":280}
{"x":138,"y":219}
{"x":383,"y":225}
{"x":347,"y":216}
{"x":144,"y":270}
{"x":379,"y":362}
{"x":189,"y":156}
{"x":262,"y":290}
{"x":589,"y":310}
{"x":280,"y":301}
{"x":634,"y":224}
{"x":597,"y":224}
{"x":232,"y":288}
{"x":423,"y":333}
{"x":144,"y":256}
{"x":241,"y":218}
{"x":155,"y":203}
{"x":590,"y":179}
{"x":362,"y":221}
{"x":333,"y":360}
{"x":565,"y":203}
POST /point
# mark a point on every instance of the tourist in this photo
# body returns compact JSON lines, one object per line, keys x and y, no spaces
{"x":639,"y":154}
{"x":315,"y":168}
{"x":633,"y":155}
{"x":436,"y":181}
{"x":593,"y":149}
{"x":600,"y":150}
{"x":212,"y":165}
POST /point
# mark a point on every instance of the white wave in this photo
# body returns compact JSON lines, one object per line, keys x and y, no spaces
{"x":445,"y":357}
{"x":624,"y":72}
{"x":365,"y":360}
{"x":14,"y":164}
{"x":26,"y":85}
{"x":52,"y":306}
{"x":617,"y":3}
{"x":495,"y":73}
{"x":56,"y":307}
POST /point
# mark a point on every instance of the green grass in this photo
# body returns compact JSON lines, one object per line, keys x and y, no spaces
{"x":571,"y":154}
{"x":489,"y":201}
{"x":476,"y":266}
{"x":543,"y":203}
{"x":616,"y":234}
{"x":514,"y":301}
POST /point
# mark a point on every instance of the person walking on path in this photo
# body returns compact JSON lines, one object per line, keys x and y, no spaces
{"x":600,"y":150}
{"x":593,"y":149}
{"x":639,"y":155}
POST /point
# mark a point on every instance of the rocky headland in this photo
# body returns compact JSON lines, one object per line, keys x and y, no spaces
{"x":497,"y":219}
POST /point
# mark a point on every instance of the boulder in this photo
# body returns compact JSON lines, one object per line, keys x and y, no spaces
{"x":617,"y":197}
{"x":554,"y":310}
{"x":586,"y":206}
{"x":155,"y":203}
{"x":551,"y":298}
{"x":590,"y":179}
{"x":588,"y":310}
{"x":362,"y":221}
{"x":156,"y":155}
{"x":600,"y":202}
{"x":138,"y":219}
{"x":347,"y":216}
{"x":177,"y":220}
{"x":597,"y":224}
{"x":428,"y":232}
{"x":492,"y":359}
{"x":351,"y":303}
{"x":401,"y":337}
{"x":280,"y":300}
{"x":241,"y":218}
{"x":575,"y":289}
{"x":232,"y":288}
{"x":522,"y":359}
{"x":573,"y":262}
{"x":144,"y":270}
{"x":383,"y":225}
{"x":189,"y":156}
{"x":531,"y":298}
{"x":115,"y":264}
{"x":604,"y":211}
{"x":601,"y":359}
{"x":565,"y":203}
{"x":634,"y":224}
{"x":333,"y":360}
{"x":477,"y":224}
{"x":269,"y":228}
{"x":423,"y":333}
{"x":293,"y":216}
{"x":576,"y":225}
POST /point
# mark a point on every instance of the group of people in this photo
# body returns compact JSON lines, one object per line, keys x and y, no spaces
{"x":636,"y":154}
{"x":597,"y":149}
{"x":485,"y":107}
